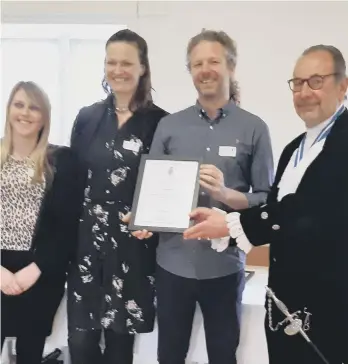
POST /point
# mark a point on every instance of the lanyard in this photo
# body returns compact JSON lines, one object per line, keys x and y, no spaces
{"x":322,"y":135}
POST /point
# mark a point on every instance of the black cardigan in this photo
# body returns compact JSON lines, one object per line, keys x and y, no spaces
{"x":55,"y":234}
{"x":88,"y":120}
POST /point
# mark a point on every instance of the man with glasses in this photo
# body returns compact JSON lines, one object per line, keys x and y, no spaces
{"x":305,"y":220}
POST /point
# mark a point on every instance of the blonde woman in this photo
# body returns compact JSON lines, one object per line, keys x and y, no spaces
{"x":39,"y":217}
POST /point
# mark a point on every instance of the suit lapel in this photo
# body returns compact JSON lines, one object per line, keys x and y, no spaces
{"x":92,"y":126}
{"x":340,"y":126}
{"x":93,"y":120}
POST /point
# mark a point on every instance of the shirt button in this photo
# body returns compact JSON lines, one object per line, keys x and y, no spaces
{"x":274,"y":260}
{"x":203,"y":193}
{"x":275,"y":227}
{"x":208,"y":149}
{"x":211,"y":127}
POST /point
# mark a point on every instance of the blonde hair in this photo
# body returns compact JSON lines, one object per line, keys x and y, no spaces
{"x":39,"y":155}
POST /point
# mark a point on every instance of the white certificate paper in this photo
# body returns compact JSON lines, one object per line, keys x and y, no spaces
{"x":166,"y":195}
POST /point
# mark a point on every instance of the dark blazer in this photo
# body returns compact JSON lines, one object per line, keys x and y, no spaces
{"x":55,"y":234}
{"x":52,"y":249}
{"x":307,"y":230}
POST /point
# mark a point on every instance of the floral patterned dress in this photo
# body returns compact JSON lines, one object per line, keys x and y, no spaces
{"x":111,"y":285}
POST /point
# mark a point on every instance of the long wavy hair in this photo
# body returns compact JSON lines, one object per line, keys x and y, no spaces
{"x":142,"y":97}
{"x":231,"y":54}
{"x":39,"y":155}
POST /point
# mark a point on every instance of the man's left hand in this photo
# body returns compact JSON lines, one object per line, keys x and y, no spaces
{"x":212,"y":179}
{"x":210,"y":224}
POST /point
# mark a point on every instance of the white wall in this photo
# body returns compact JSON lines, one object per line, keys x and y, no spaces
{"x":270,"y":36}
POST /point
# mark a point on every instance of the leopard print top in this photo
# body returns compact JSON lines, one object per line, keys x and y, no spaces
{"x":20,"y":204}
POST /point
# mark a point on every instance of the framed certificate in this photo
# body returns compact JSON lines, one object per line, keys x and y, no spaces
{"x":166,"y":192}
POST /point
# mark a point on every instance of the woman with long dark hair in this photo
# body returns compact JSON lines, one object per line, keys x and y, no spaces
{"x":111,"y":286}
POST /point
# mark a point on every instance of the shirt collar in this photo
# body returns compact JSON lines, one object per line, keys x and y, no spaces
{"x":223,"y":111}
{"x":315,"y":130}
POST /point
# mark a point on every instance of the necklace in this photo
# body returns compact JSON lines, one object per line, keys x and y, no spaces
{"x":121,"y":109}
{"x":19,"y":158}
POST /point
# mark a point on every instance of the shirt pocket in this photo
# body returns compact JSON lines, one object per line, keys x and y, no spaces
{"x":244,"y":152}
{"x":237,"y":169}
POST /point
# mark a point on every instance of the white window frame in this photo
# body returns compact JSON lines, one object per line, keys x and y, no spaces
{"x":56,"y":31}
{"x":63,"y":34}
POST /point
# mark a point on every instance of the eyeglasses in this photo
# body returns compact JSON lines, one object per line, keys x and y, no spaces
{"x":315,"y":82}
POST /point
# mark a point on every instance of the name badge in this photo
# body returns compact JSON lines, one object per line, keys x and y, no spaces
{"x":131,"y":145}
{"x":225,"y":151}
